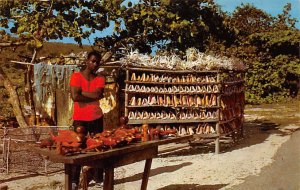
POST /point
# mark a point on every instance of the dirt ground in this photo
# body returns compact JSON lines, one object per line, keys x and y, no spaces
{"x":267,"y":127}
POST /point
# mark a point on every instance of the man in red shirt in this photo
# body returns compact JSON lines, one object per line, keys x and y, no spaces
{"x":86,"y":91}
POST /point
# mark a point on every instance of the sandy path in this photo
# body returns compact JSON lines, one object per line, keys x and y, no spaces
{"x":191,"y":171}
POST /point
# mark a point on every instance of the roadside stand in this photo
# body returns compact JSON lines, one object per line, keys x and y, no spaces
{"x":111,"y":159}
{"x":163,"y":99}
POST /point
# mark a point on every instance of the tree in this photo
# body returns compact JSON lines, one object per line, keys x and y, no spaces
{"x":172,"y":25}
{"x":247,"y":20}
{"x":270,"y":48}
{"x":169,"y":25}
{"x":31,"y":23}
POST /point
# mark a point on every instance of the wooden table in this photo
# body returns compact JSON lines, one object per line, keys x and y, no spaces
{"x":111,"y":159}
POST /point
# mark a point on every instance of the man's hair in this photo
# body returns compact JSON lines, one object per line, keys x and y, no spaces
{"x":94,"y":53}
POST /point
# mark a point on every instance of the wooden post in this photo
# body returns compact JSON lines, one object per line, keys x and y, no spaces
{"x":217,"y":140}
{"x":126,"y":94}
{"x":108,"y":179}
{"x":146,"y":174}
{"x":7,"y":155}
{"x":68,"y":177}
{"x":243,"y":111}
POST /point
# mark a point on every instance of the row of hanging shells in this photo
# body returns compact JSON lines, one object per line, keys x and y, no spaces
{"x":189,"y":114}
{"x":175,"y":89}
{"x":202,"y":128}
{"x":171,"y":79}
{"x":173,"y":100}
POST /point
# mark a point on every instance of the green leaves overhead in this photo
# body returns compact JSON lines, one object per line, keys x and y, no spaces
{"x":45,"y":20}
{"x":268,"y":45}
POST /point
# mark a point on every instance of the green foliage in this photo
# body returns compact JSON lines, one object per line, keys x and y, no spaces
{"x":268,"y":45}
{"x":266,"y":81}
{"x":270,"y":48}
{"x":35,"y":22}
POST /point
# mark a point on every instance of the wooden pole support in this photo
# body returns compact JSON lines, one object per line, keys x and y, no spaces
{"x":146,"y":174}
{"x":126,"y":94}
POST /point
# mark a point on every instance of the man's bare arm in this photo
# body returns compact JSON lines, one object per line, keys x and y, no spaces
{"x":78,"y":96}
{"x":96,"y":95}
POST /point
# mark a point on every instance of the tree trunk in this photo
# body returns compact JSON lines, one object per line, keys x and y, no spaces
{"x":13,"y":99}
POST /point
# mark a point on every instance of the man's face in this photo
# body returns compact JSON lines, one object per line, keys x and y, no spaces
{"x":93,"y":63}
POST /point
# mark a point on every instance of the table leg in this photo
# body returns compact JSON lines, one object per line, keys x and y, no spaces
{"x":68,"y":177}
{"x":108,"y":179}
{"x":146,"y":174}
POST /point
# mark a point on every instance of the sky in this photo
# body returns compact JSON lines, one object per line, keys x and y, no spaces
{"x":273,"y":7}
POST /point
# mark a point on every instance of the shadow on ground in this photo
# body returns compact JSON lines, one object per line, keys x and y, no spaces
{"x":192,"y":187}
{"x":156,"y":171}
{"x":24,"y":175}
{"x":255,"y":132}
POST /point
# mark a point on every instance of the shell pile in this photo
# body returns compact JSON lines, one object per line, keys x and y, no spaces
{"x":195,"y":60}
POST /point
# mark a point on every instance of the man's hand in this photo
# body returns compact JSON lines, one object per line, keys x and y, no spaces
{"x":95,"y":95}
{"x":79,"y":96}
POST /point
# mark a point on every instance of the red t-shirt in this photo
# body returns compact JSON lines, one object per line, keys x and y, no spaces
{"x":87,"y":111}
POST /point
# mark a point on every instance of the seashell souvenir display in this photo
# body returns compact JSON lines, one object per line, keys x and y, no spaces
{"x":203,"y":100}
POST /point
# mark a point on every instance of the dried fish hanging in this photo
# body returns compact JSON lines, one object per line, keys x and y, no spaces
{"x":42,"y":81}
{"x":63,"y":82}
{"x":63,"y":74}
{"x":43,"y":89}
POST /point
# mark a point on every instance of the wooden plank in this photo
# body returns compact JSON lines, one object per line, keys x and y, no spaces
{"x":93,"y":156}
{"x":121,"y":160}
{"x":170,"y":106}
{"x":174,"y":139}
{"x":90,"y":156}
{"x":206,"y":135}
{"x":172,"y":147}
{"x":172,"y":83}
{"x":201,"y":142}
{"x":145,"y":69}
{"x":163,"y":93}
{"x":150,"y":121}
{"x":136,"y":156}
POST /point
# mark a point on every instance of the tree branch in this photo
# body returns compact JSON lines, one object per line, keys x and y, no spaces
{"x":11,"y":44}
{"x":50,"y":9}
{"x":33,"y":56}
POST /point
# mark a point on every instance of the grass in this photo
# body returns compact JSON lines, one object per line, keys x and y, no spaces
{"x":281,"y":113}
